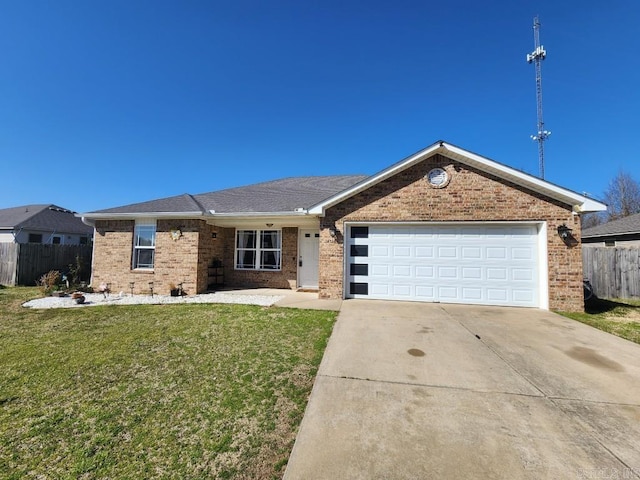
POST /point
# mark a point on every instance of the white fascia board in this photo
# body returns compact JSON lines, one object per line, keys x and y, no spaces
{"x":259,"y":214}
{"x":131,"y":216}
{"x":580,"y":203}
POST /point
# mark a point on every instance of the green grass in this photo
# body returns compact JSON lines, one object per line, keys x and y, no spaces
{"x":619,"y":317}
{"x":166,"y":391}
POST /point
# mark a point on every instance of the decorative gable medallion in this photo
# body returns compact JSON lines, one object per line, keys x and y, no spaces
{"x":438,"y":178}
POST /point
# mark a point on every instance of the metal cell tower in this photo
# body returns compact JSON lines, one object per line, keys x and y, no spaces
{"x":536,"y":57}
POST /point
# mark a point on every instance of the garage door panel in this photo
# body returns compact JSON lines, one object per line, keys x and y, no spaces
{"x":471,"y":253}
{"x":496,"y":273}
{"x":483,"y":264}
{"x":471,"y":273}
{"x":447,"y":273}
{"x":401,"y":251}
{"x":425,"y":292}
{"x":379,"y":270}
{"x":522,"y":296}
{"x":425,"y":272}
{"x":472,"y":294}
{"x":447,"y":252}
{"x":497,"y":294}
{"x":522,"y":274}
{"x":380,"y":251}
{"x":379,"y":289}
{"x":424,"y":252}
{"x":525,"y":252}
{"x":401,"y":291}
{"x":402,"y":271}
{"x":499,"y":253}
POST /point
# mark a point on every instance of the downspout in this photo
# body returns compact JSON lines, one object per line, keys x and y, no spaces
{"x":15,"y":235}
{"x":91,"y":223}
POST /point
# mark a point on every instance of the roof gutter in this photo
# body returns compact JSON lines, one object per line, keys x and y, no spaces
{"x":296,"y":213}
{"x":88,"y":222}
{"x":92,"y":217}
{"x":612,"y":234}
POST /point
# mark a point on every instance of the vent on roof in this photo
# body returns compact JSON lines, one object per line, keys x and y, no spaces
{"x":58,"y":209}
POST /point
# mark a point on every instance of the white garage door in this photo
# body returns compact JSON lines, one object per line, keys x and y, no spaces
{"x":475,"y":264}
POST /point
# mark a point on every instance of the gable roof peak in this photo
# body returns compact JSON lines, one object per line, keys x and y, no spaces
{"x":579,"y":203}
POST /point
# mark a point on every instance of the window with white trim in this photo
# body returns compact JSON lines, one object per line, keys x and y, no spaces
{"x":144,"y":245}
{"x":258,"y":249}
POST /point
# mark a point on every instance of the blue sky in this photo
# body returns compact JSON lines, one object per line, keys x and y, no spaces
{"x":106,"y":103}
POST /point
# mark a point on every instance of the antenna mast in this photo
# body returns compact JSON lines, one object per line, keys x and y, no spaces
{"x":536,"y":57}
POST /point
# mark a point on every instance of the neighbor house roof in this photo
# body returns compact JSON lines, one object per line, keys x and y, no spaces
{"x":42,"y":217}
{"x":278,"y":196}
{"x":624,"y":226}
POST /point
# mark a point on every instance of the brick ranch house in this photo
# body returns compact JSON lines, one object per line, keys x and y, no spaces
{"x":442,"y":225}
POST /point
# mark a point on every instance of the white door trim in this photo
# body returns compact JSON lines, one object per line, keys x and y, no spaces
{"x":310,"y":262}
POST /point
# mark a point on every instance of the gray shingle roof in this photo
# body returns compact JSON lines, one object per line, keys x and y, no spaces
{"x":622,"y":226}
{"x":284,"y":195}
{"x":48,"y":218}
{"x":178,"y":204}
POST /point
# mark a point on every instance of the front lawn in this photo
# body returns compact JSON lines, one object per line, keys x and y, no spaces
{"x":165,"y":391}
{"x":619,"y":317}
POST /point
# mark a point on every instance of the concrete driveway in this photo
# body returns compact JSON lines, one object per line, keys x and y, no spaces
{"x":419,"y":391}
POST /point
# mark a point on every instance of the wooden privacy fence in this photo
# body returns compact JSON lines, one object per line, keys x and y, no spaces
{"x":614,"y":272}
{"x":24,"y":264}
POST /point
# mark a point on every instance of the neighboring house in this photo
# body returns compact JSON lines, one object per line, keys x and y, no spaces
{"x":46,"y":224}
{"x":442,"y":225}
{"x":624,"y":232}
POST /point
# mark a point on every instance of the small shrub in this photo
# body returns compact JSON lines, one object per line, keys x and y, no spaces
{"x":49,"y":281}
{"x":75,"y":271}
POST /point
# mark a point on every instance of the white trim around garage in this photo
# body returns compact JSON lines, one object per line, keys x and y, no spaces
{"x":532,"y":293}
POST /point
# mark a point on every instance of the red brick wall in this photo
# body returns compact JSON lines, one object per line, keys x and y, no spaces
{"x":286,"y":278}
{"x":182,"y":260}
{"x":471,"y":195}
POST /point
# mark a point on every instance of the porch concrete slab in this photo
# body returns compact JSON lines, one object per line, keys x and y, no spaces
{"x":409,"y":390}
{"x":292,"y":298}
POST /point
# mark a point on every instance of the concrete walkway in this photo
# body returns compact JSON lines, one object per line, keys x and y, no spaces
{"x":292,"y":298}
{"x":419,"y":391}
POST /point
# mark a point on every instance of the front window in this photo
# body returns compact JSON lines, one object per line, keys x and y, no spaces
{"x":258,"y":249}
{"x":144,"y":246}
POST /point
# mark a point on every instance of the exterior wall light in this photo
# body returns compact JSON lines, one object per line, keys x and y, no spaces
{"x":564,"y":232}
{"x":333,"y":231}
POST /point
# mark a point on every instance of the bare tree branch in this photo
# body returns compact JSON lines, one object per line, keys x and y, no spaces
{"x":622,"y":196}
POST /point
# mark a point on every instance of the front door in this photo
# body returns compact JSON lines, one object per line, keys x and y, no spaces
{"x":308,"y":254}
